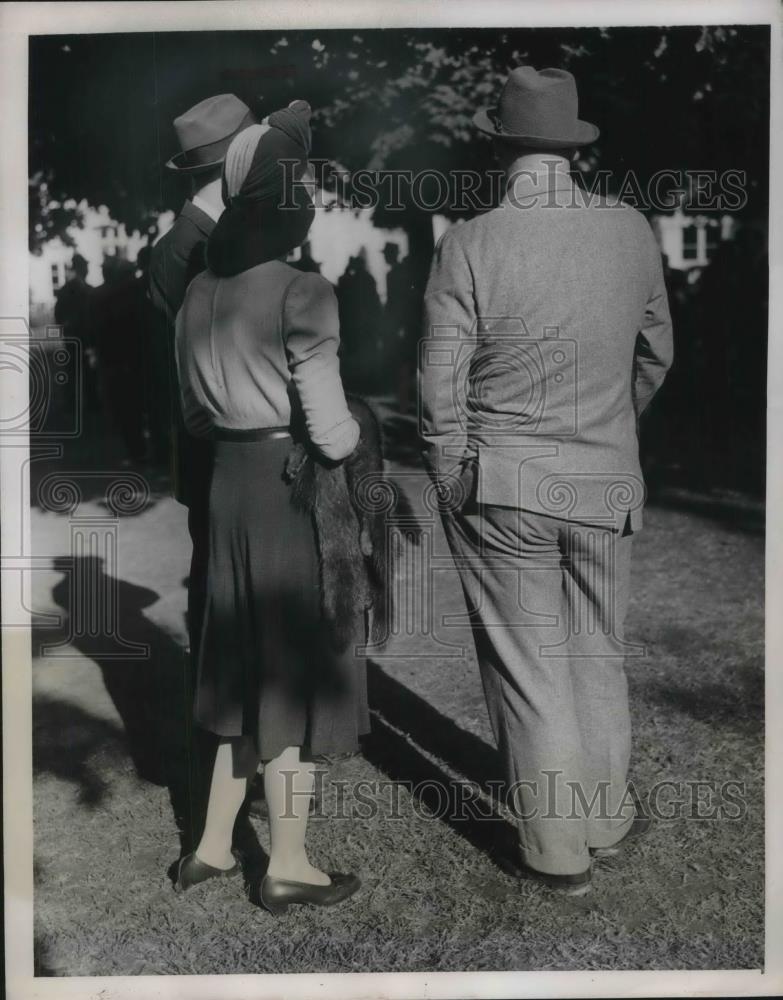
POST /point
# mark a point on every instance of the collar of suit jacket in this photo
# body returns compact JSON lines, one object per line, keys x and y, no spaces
{"x":525,"y":186}
{"x":203,"y":222}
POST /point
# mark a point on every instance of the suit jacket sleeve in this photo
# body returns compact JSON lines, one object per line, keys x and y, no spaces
{"x":448,"y":342}
{"x":654,"y":344}
{"x":166,"y":278}
{"x":311,"y":331}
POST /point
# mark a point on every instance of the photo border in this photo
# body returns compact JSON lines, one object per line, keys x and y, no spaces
{"x":20,"y":20}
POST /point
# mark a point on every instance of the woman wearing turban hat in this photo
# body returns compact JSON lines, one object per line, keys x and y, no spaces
{"x":257,"y":345}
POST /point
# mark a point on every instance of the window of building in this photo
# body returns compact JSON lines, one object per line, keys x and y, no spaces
{"x":56,"y":276}
{"x":690,"y":242}
{"x":713,"y":235}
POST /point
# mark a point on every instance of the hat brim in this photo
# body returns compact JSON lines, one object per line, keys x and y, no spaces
{"x":179,"y":164}
{"x":213,"y":153}
{"x":584,"y":133}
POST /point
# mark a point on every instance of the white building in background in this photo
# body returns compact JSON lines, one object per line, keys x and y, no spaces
{"x":691,"y":240}
{"x":337,"y":234}
{"x":99,"y":236}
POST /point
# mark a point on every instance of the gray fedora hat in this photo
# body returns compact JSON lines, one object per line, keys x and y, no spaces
{"x":537,"y":107}
{"x":205,"y":132}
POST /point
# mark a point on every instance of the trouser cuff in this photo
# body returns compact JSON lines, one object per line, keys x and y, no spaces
{"x":609,"y":835}
{"x":556,"y":863}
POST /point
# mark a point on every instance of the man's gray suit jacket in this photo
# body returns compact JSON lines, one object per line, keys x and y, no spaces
{"x":546,"y":334}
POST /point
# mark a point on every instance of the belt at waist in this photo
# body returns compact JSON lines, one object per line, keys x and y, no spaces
{"x":250,"y":434}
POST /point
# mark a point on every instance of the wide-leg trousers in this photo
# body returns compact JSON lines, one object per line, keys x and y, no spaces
{"x":547,"y":599}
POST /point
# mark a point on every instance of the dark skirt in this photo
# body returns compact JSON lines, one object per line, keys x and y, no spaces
{"x":267,"y":671}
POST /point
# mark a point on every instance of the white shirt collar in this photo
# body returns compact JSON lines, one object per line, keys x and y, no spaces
{"x":206,"y":208}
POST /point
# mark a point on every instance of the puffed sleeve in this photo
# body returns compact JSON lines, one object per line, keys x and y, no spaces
{"x":311,"y":331}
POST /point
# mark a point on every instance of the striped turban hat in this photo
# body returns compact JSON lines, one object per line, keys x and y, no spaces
{"x":268,"y":207}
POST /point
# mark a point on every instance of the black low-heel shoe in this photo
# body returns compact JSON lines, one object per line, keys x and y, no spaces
{"x":191,"y":870}
{"x":277,"y":894}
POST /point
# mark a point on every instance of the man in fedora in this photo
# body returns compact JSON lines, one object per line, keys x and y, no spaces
{"x":204,"y":134}
{"x":546,"y":334}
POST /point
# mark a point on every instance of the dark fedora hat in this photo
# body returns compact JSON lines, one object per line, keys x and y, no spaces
{"x":537,"y":108}
{"x":206,"y":130}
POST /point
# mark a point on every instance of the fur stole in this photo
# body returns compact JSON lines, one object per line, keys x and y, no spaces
{"x":350,"y":503}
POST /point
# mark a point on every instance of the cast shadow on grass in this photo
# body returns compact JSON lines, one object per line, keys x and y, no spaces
{"x":58,"y":724}
{"x":43,"y":964}
{"x":408,"y":737}
{"x":150,"y":680}
{"x":738,"y":704}
{"x":738,"y":517}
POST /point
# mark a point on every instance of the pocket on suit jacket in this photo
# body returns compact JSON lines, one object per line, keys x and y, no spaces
{"x":457,"y":489}
{"x":468,"y":481}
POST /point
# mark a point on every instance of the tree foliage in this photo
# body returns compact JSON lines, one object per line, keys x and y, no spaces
{"x":101,"y":106}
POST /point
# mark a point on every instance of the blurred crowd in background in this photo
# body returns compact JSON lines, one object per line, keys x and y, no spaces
{"x":126,"y":371}
{"x":706,"y":429}
{"x":687,"y":99}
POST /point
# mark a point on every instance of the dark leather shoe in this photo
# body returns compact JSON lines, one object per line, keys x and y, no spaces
{"x":570,"y":885}
{"x":277,"y":894}
{"x":191,"y":870}
{"x":639,"y":826}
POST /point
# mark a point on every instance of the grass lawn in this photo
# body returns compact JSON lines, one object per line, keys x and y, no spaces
{"x":689,"y":897}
